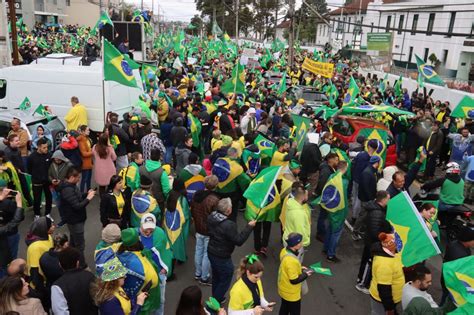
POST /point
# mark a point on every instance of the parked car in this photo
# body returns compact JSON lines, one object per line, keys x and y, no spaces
{"x":312,"y":97}
{"x":275,"y":77}
{"x":30,"y":122}
{"x":347,"y":129}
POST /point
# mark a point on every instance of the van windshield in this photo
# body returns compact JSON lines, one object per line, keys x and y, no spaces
{"x":54,"y":124}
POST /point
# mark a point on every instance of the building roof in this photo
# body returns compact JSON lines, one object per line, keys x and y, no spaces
{"x":353,"y":7}
{"x":284,"y":24}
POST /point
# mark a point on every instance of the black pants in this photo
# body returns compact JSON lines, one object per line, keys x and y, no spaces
{"x":430,"y":166}
{"x":261,"y":239}
{"x":290,"y":308}
{"x":365,"y":268}
{"x":25,"y":189}
{"x":38,"y":190}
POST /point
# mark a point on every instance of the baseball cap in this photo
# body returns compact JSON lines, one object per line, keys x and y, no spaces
{"x":374,"y":159}
{"x":148,"y":221}
{"x":251,"y":110}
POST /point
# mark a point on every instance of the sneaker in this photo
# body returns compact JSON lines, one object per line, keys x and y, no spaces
{"x":349,"y":225}
{"x":320,"y":238}
{"x":333,"y":259}
{"x":37,"y":217}
{"x":50,"y":217}
{"x":197,"y":278}
{"x":207,"y":282}
{"x":362,"y":289}
{"x":263,"y":251}
{"x":223,"y":301}
{"x":356,"y":236}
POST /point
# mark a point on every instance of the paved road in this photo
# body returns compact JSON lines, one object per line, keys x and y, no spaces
{"x":327,"y":295}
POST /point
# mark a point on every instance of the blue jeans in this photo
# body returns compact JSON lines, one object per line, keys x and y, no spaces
{"x":86,"y":177}
{"x":13,"y":241}
{"x":161,"y":309}
{"x":331,"y":240}
{"x":201,"y":261}
{"x":169,"y":155}
{"x":222,"y":272}
{"x":321,"y":226}
{"x":444,"y":206}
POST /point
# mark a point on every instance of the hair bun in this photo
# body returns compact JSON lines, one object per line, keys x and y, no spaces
{"x":382,"y":236}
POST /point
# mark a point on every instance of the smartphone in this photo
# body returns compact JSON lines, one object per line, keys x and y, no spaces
{"x":147,"y":287}
{"x":271,"y":304}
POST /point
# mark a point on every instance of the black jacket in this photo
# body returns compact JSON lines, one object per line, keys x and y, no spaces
{"x":409,"y":178}
{"x":49,"y":263}
{"x":224,"y":235}
{"x":177,"y":135}
{"x":375,"y":217}
{"x":123,"y":138}
{"x":325,"y":171}
{"x":456,"y":250}
{"x":436,"y":142}
{"x":76,"y":286}
{"x":14,"y":156}
{"x":109,"y":210}
{"x":368,"y":184}
{"x":73,"y":203}
{"x":310,"y":159}
{"x":10,"y":219}
{"x":38,"y":166}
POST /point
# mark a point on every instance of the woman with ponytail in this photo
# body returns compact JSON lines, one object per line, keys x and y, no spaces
{"x":246,"y":295}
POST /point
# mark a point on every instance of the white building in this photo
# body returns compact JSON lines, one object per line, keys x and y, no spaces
{"x":44,"y":11}
{"x":87,"y":12}
{"x":423,"y":27}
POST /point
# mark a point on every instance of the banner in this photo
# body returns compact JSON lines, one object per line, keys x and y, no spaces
{"x":379,"y":41}
{"x":325,"y":69}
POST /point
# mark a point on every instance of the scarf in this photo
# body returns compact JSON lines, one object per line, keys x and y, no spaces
{"x":253,"y":287}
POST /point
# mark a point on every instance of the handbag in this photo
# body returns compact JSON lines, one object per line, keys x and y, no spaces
{"x":304,"y":288}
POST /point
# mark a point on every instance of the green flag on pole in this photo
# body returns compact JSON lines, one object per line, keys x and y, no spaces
{"x":465,"y":108}
{"x":25,"y":105}
{"x":282,"y":85}
{"x":459,"y":280}
{"x":429,"y":75}
{"x":302,"y":125}
{"x":266,"y":147}
{"x":414,"y":240}
{"x":351,"y":94}
{"x":116,"y":68}
{"x":236,"y":84}
{"x":41,"y":110}
{"x":319,"y":269}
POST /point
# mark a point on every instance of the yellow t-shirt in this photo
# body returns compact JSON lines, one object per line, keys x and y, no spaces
{"x":277,"y":159}
{"x":387,"y":271}
{"x":76,"y":117}
{"x":35,"y":251}
{"x":124,"y":301}
{"x":290,"y":268}
{"x":241,"y":297}
{"x":120,"y":203}
{"x":215,"y":144}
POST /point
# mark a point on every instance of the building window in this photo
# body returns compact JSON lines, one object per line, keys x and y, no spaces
{"x":372,"y":27}
{"x":410,"y":54}
{"x":400,"y":24}
{"x":425,"y":57}
{"x":452,"y":19}
{"x":349,"y":25}
{"x":414,"y":25}
{"x":389,"y":21}
{"x":445,"y":56}
{"x":430,"y":24}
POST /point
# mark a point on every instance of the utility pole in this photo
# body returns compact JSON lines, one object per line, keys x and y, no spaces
{"x":237,"y":22}
{"x":291,"y":35}
{"x":276,"y":19}
{"x":11,"y":7}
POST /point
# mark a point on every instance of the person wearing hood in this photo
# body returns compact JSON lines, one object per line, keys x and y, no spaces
{"x":386,"y":179}
{"x":178,"y":134}
{"x":192,"y":175}
{"x":42,"y":132}
{"x":310,"y":161}
{"x":11,"y":215}
{"x":73,"y":207}
{"x":38,"y":241}
{"x":70,"y":148}
{"x":376,"y":212}
{"x":221,"y":148}
{"x":223,"y":237}
{"x":387,"y":273}
{"x":452,"y":187}
{"x":203,"y":203}
{"x":153,"y":169}
{"x":182,"y":153}
{"x":248,"y":124}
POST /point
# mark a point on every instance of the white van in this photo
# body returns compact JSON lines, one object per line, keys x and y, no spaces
{"x":53,"y":80}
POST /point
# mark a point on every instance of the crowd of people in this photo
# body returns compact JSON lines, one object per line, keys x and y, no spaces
{"x":158,"y":181}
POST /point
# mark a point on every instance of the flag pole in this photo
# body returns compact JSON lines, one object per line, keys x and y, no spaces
{"x":103,"y":76}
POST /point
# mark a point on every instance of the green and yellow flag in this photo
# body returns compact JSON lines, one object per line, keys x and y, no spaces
{"x":429,"y":75}
{"x":465,"y":108}
{"x":282,"y":85}
{"x":25,"y":105}
{"x":413,"y":239}
{"x":321,"y":270}
{"x":302,"y":125}
{"x":236,"y":84}
{"x":333,"y":197}
{"x":351,"y":94}
{"x":116,"y":68}
{"x":381,"y":137}
{"x":266,"y":147}
{"x":195,"y":127}
{"x":263,"y":198}
{"x":459,"y":279}
{"x":397,"y":87}
{"x":41,"y":110}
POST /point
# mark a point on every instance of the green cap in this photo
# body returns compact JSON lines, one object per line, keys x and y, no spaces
{"x":113,"y":270}
{"x":130,"y":237}
{"x":294,"y":164}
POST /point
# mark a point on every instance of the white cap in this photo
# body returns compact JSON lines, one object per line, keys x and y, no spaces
{"x":148,"y":221}
{"x":251,"y":110}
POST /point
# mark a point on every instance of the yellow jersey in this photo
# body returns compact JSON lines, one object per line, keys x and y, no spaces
{"x":387,"y":271}
{"x":290,"y":269}
{"x":76,"y":117}
{"x":241,"y":296}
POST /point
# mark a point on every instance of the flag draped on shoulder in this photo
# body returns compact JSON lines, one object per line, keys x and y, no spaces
{"x":333,"y":197}
{"x":266,"y":147}
{"x":465,"y":108}
{"x":263,"y":198}
{"x":459,"y":280}
{"x":176,"y":226}
{"x":226,"y":171}
{"x":427,"y":72}
{"x":302,"y":125}
{"x":116,"y":67}
{"x":351,"y":94}
{"x":413,"y":239}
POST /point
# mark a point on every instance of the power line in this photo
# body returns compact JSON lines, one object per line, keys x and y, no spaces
{"x":404,"y":10}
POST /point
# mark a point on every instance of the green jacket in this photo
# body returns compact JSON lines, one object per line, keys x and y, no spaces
{"x":298,"y":219}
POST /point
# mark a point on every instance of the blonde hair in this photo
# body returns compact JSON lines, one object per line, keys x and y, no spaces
{"x":102,"y":291}
{"x":244,"y":266}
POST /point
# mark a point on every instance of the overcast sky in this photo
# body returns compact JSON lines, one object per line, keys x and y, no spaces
{"x":184,"y":10}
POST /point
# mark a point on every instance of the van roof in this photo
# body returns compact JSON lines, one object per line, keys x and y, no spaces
{"x":25,"y":116}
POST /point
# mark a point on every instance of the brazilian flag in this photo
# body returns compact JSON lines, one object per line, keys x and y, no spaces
{"x":302,"y":125}
{"x":228,"y":172}
{"x":427,"y":72}
{"x":131,"y":176}
{"x":459,"y":279}
{"x":195,"y":126}
{"x":414,"y":241}
{"x":192,"y":182}
{"x":142,"y":203}
{"x":333,"y":197}
{"x":266,"y":147}
{"x":116,"y":68}
{"x":351,"y":94}
{"x":236,"y":84}
{"x":381,"y":136}
{"x":176,"y":226}
{"x":252,"y":162}
{"x":344,"y":157}
{"x":263,"y":198}
{"x":465,"y":108}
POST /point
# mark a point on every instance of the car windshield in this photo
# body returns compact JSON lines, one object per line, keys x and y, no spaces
{"x":313,"y":96}
{"x":53,"y":124}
